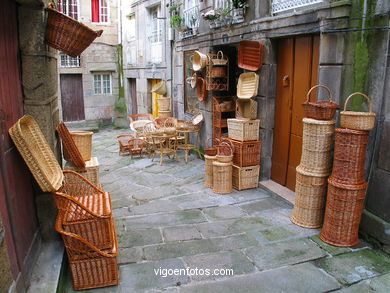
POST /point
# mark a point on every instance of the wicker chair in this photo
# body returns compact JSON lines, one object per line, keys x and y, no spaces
{"x":136,"y":146}
{"x":149,"y":129}
{"x":145,"y":116}
{"x":85,"y":210}
{"x":123,"y":146}
{"x":165,"y":146}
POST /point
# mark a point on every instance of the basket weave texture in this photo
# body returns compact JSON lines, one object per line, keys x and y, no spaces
{"x":225,"y":151}
{"x":83,"y":141}
{"x":357,"y":120}
{"x":246,"y":153}
{"x":344,"y":207}
{"x":208,"y":180}
{"x":164,"y":114}
{"x":248,"y":85}
{"x":310,"y":190}
{"x":246,"y":177}
{"x":320,"y":110}
{"x":246,"y":109}
{"x":222,"y":178}
{"x":164,"y":104}
{"x":68,"y":35}
{"x":349,"y":156}
{"x":37,"y":153}
{"x":250,"y":55}
{"x":90,"y":172}
{"x":71,"y":151}
{"x":243,"y":130}
{"x":160,"y":88}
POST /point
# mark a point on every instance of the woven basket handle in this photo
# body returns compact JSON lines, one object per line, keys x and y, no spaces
{"x":225,"y":144}
{"x":330,"y":96}
{"x":220,"y":55}
{"x":355,"y":94}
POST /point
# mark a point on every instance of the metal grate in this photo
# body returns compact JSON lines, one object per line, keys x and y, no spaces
{"x":191,"y":14}
{"x":283,"y":5}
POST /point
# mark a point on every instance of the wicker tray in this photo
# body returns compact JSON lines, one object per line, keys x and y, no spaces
{"x":243,"y":130}
{"x":246,"y":177}
{"x":250,"y":55}
{"x":66,"y":34}
{"x":91,"y":170}
{"x":71,"y":152}
{"x":248,"y":84}
{"x":222,"y":178}
{"x":321,"y":110}
{"x":357,"y":120}
{"x":37,"y":154}
{"x":246,"y":109}
{"x":344,"y":207}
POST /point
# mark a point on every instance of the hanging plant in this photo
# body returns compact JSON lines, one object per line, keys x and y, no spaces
{"x":174,"y":7}
{"x":240,"y":4}
{"x":176,"y":21}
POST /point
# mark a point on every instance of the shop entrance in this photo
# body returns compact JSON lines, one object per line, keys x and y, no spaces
{"x":297,"y":72}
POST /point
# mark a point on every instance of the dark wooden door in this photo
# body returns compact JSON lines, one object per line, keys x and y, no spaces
{"x":133,"y":95}
{"x":72,"y":97}
{"x":17,"y":206}
{"x":297,"y":72}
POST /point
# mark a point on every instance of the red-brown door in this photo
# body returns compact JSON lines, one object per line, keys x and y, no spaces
{"x":133,"y":95}
{"x":72,"y":97}
{"x":17,"y":206}
{"x":297,"y":72}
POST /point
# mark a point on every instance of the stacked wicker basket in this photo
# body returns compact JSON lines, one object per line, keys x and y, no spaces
{"x":84,"y":217}
{"x":314,"y":168}
{"x":164,"y":103}
{"x":347,"y":185}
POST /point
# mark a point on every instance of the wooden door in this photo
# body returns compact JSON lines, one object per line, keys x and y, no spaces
{"x":297,"y":72}
{"x":155,"y":96}
{"x":17,"y":207}
{"x":133,"y":95}
{"x":72,"y":97}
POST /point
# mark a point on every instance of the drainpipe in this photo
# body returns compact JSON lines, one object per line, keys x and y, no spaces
{"x":364,"y":18}
{"x":171,"y":47}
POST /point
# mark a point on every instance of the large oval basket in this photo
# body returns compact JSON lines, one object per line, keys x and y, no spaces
{"x":357,"y":120}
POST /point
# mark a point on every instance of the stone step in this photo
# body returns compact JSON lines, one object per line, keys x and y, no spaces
{"x":85,"y":125}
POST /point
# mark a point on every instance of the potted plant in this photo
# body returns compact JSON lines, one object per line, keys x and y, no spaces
{"x":174,"y":7}
{"x":175,"y":21}
{"x":211,"y":16}
{"x":225,"y":16}
{"x":193,"y":20}
{"x":239,"y":7}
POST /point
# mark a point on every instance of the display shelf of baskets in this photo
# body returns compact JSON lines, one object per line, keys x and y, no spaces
{"x":344,"y":207}
{"x":243,"y":130}
{"x":91,"y":170}
{"x":246,"y":153}
{"x":217,"y":72}
{"x":223,"y":109}
{"x":245,"y":177}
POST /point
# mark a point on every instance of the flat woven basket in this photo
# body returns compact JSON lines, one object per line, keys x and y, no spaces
{"x":67,"y":34}
{"x":248,"y":84}
{"x":70,"y":148}
{"x":357,"y":120}
{"x":321,"y":110}
{"x":37,"y":153}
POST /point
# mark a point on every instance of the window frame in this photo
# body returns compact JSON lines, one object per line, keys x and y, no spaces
{"x":101,"y":93}
{"x":68,"y":61}
{"x":100,"y":13}
{"x":67,"y":6}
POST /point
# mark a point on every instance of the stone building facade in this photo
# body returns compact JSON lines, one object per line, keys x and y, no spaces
{"x":95,"y":72}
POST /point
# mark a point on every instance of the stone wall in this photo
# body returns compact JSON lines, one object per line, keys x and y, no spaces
{"x":5,"y":269}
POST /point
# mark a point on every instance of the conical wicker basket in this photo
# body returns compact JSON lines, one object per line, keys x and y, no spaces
{"x":37,"y":153}
{"x":344,"y":207}
{"x":310,"y":191}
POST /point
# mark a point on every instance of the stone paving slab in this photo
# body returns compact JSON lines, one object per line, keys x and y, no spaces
{"x":375,"y":285}
{"x":302,"y":278}
{"x":224,"y":212}
{"x":333,"y":250}
{"x":139,"y":237}
{"x":181,"y":233}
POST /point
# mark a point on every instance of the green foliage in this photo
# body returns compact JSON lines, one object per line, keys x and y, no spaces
{"x":174,"y":6}
{"x":240,"y":4}
{"x":175,"y":21}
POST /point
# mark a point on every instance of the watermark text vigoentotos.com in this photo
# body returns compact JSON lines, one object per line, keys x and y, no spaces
{"x":163,"y":272}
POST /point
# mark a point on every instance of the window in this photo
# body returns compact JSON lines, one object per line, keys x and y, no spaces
{"x":69,"y":7}
{"x":100,"y":11}
{"x":155,"y":36}
{"x":156,"y":32}
{"x":68,"y":61}
{"x":191,"y":103}
{"x":131,"y":28}
{"x":102,"y":84}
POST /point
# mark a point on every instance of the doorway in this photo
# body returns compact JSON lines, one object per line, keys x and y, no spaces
{"x":155,"y":96}
{"x":297,"y":72}
{"x":72,"y":97}
{"x":133,"y":95}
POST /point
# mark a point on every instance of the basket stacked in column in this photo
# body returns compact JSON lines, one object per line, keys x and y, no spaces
{"x":346,"y":189}
{"x":314,"y":168}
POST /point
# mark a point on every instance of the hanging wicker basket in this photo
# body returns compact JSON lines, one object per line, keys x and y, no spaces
{"x":67,"y":34}
{"x":220,"y":59}
{"x":320,"y":110}
{"x":160,"y":88}
{"x":248,"y":84}
{"x":199,"y":61}
{"x":357,"y":120}
{"x":202,"y":91}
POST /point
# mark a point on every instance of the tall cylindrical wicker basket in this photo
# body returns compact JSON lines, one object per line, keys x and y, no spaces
{"x":208,"y":180}
{"x":222,"y":177}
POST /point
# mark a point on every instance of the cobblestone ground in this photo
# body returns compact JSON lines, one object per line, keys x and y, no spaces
{"x":166,"y":219}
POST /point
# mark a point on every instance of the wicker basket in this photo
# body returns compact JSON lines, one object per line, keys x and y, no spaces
{"x":248,"y":84}
{"x":310,"y":190}
{"x":250,"y":55}
{"x":37,"y":154}
{"x":201,"y":89}
{"x":91,"y":266}
{"x":218,"y":59}
{"x":349,"y":156}
{"x":83,"y":141}
{"x":357,"y":120}
{"x":245,"y":177}
{"x":344,"y":207}
{"x":243,"y":130}
{"x":208,"y":179}
{"x":321,"y":110}
{"x":164,"y":114}
{"x":212,"y":149}
{"x":246,"y":109}
{"x":222,"y":177}
{"x":66,"y":34}
{"x":160,"y":88}
{"x":218,"y":71}
{"x":91,"y":170}
{"x":224,"y":152}
{"x":71,"y":151}
{"x":199,"y":61}
{"x":164,"y":104}
{"x":246,"y":153}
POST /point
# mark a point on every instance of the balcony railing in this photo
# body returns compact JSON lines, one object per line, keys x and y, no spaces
{"x":191,"y":17}
{"x":284,"y":5}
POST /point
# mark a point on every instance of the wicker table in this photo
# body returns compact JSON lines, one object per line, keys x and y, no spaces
{"x":187,"y":147}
